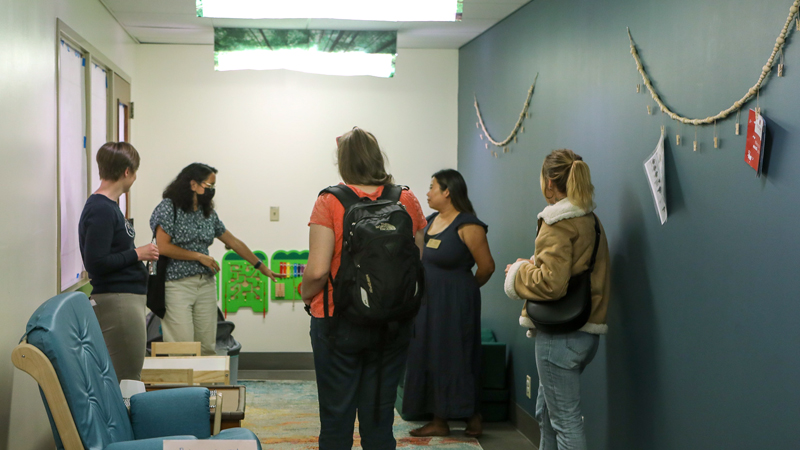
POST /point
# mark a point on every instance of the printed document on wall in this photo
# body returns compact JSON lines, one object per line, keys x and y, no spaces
{"x":654,"y":168}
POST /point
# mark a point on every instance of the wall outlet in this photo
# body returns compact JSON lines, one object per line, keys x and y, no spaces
{"x":274,"y":213}
{"x":528,"y":386}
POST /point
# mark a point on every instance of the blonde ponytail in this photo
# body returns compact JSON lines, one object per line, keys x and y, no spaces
{"x":570,"y":175}
{"x":579,"y":185}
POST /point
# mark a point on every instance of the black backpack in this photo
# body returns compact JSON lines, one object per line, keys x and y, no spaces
{"x":381,"y":279}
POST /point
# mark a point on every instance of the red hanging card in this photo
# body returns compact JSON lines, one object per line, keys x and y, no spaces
{"x":754,"y":154}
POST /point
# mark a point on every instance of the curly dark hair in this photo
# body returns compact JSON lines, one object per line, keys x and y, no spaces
{"x":180,"y":192}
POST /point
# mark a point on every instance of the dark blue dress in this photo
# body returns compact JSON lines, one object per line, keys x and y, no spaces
{"x":443,"y":369}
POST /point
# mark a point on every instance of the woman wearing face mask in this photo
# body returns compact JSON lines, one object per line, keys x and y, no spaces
{"x":185,"y":225}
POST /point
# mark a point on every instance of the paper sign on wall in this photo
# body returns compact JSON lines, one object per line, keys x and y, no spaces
{"x":654,"y":168}
{"x":210,"y":445}
{"x":753,"y":153}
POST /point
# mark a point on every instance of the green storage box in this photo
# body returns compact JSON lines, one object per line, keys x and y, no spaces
{"x":494,"y":405}
{"x":493,"y":365}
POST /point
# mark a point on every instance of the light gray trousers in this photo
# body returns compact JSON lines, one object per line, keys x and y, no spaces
{"x":191,"y":312}
{"x":122,"y":320}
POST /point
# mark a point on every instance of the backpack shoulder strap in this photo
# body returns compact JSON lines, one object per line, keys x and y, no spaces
{"x":344,"y":194}
{"x":392,"y":192}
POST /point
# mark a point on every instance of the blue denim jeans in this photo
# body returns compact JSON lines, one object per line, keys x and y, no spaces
{"x":560,"y":360}
{"x":348,"y":382}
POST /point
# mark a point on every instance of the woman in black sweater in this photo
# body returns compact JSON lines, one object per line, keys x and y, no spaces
{"x":119,"y":278}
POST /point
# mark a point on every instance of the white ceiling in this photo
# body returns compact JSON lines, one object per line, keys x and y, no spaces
{"x":176,"y":22}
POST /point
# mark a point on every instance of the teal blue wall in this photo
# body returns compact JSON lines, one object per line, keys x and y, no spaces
{"x":703,"y":343}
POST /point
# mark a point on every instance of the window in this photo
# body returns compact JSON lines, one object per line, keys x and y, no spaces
{"x":99,"y":117}
{"x":85,"y":119}
{"x":72,"y":159}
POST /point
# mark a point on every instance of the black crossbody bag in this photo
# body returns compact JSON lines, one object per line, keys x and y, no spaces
{"x":572,"y":311}
{"x":156,"y":284}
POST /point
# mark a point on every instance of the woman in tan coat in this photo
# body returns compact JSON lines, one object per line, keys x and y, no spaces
{"x":564,"y":247}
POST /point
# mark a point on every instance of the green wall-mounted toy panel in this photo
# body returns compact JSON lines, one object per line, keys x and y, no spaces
{"x":291,"y":263}
{"x":242,"y":284}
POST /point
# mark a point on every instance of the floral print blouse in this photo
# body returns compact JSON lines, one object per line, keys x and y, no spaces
{"x":190,"y":231}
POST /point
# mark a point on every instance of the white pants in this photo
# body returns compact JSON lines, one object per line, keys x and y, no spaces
{"x":191,"y":312}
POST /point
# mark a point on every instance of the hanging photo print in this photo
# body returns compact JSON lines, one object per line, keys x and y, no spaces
{"x":753,"y":153}
{"x":654,"y":168}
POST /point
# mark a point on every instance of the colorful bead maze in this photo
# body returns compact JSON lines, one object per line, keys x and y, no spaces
{"x":242,"y":284}
{"x":291,"y":263}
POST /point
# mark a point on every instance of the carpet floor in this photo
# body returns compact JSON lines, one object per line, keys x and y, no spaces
{"x":285,"y":415}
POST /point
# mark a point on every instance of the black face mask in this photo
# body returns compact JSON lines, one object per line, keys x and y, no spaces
{"x":206,"y":197}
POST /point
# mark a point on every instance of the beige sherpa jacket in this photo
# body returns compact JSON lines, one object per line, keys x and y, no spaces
{"x":564,"y":248}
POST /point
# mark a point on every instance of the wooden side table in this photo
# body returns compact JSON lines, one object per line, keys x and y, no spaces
{"x":234,"y":401}
{"x":207,"y":369}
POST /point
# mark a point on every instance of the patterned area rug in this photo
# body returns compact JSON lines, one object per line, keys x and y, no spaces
{"x":285,"y":415}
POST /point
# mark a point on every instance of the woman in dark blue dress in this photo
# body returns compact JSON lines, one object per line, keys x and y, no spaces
{"x":443,"y":369}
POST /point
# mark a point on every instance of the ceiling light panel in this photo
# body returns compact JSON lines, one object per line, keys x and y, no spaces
{"x":328,"y":52}
{"x":373,"y":10}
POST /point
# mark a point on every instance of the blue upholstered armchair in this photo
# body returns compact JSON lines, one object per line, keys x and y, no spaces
{"x":64,"y":351}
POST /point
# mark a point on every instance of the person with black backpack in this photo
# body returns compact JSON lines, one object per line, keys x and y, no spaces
{"x":362,"y":287}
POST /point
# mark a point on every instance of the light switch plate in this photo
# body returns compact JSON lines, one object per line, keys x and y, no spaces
{"x":528,"y":386}
{"x":274,"y":213}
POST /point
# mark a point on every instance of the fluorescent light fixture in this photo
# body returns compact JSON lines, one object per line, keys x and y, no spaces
{"x":324,"y":52}
{"x":374,"y":10}
{"x":309,"y":61}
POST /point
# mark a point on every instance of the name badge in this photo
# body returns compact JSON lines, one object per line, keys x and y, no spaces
{"x":433,"y":243}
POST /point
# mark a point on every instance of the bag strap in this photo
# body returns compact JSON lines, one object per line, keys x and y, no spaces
{"x":325,"y":296}
{"x":347,"y":197}
{"x":596,"y":242}
{"x":392,"y":192}
{"x":344,"y":194}
{"x":164,"y":259}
